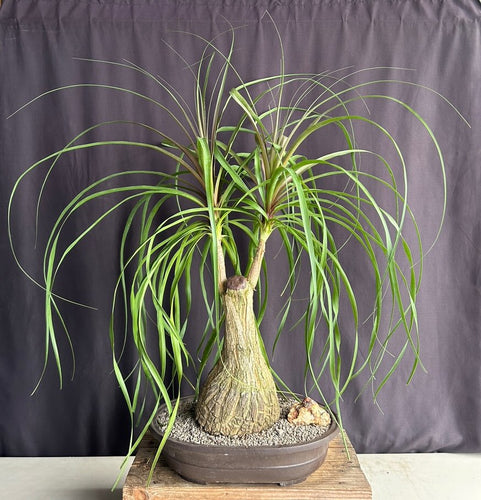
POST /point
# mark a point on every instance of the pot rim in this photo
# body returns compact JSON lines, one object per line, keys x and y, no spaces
{"x":326,"y":437}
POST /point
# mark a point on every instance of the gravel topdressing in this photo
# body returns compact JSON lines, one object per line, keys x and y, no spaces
{"x":281,"y":433}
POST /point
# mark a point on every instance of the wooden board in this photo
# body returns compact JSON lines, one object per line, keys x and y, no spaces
{"x":337,"y":478}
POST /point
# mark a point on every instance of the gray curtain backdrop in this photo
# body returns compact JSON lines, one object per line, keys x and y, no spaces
{"x":41,"y":42}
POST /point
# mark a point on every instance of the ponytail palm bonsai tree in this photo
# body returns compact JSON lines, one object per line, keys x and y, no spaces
{"x":238,"y":171}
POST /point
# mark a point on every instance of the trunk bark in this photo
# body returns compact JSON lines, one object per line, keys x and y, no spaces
{"x":239,"y":396}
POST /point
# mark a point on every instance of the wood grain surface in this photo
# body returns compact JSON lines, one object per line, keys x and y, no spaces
{"x":338,"y":478}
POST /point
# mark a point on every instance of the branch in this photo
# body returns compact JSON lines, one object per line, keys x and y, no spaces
{"x":221,"y":272}
{"x":255,"y":270}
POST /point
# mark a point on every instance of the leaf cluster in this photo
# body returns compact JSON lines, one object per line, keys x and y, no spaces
{"x":239,"y":171}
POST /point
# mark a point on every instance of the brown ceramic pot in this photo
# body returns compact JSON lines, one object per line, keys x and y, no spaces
{"x":284,"y":465}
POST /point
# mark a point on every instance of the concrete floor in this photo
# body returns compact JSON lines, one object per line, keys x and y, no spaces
{"x":419,"y":476}
{"x":392,"y":477}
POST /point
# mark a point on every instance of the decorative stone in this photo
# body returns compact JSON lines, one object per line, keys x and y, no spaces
{"x":308,"y":412}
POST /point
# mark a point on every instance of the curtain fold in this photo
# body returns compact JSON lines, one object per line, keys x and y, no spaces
{"x":44,"y":44}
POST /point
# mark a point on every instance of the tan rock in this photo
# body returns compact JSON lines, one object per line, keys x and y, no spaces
{"x":308,"y":412}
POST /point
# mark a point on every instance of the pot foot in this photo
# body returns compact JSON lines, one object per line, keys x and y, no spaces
{"x":290,"y":483}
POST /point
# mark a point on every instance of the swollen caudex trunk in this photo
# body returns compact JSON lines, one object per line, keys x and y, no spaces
{"x":239,"y":396}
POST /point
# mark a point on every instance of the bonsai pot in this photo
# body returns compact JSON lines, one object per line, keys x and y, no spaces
{"x":281,"y":464}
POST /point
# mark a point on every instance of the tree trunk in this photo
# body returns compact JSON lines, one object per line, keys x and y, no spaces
{"x":239,"y":396}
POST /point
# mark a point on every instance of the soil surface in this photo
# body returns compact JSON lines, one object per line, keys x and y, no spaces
{"x":281,"y":433}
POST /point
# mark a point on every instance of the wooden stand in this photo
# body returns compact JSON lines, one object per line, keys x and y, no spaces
{"x":337,"y":478}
